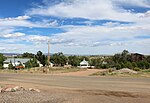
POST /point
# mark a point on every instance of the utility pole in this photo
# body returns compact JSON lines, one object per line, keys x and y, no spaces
{"x":48,"y":53}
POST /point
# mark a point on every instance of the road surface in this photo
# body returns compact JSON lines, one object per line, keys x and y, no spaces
{"x":86,"y":89}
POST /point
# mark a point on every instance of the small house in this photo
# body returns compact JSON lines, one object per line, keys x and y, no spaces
{"x":84,"y":64}
{"x":15,"y":62}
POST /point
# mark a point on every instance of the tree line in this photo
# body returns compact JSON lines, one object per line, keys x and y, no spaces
{"x":118,"y":61}
{"x":123,"y":60}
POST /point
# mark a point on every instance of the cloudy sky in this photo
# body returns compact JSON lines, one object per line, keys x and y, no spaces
{"x":75,"y":26}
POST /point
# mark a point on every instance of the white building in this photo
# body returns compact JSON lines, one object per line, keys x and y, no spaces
{"x":84,"y":64}
{"x":16,"y":62}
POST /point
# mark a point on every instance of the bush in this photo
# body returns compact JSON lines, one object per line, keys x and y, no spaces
{"x":136,"y":69}
{"x":118,"y":66}
{"x":128,"y":65}
{"x":1,"y":66}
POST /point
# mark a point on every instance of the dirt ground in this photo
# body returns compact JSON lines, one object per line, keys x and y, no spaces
{"x":75,"y":89}
{"x":81,"y":73}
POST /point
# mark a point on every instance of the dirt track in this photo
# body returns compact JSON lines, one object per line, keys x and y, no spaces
{"x":79,"y":89}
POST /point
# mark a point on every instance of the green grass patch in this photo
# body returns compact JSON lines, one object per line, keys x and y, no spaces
{"x":146,"y":70}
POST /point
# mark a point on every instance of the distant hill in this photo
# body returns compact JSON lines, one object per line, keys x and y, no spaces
{"x":11,"y":54}
{"x":19,"y":54}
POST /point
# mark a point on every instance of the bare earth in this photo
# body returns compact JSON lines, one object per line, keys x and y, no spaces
{"x":80,"y":73}
{"x":75,"y":88}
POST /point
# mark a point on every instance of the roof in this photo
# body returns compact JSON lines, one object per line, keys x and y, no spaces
{"x":22,"y":60}
{"x":84,"y":62}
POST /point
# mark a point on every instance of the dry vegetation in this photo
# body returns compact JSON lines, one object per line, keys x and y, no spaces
{"x":130,"y":73}
{"x":54,"y":70}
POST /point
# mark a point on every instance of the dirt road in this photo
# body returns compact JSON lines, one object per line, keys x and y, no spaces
{"x":84,"y":89}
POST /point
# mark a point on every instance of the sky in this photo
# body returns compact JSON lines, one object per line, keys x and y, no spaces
{"x":81,"y":27}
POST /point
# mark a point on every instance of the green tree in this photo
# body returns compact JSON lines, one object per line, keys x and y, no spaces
{"x":118,"y":66}
{"x":97,"y":62}
{"x":146,"y":64}
{"x":59,"y":59}
{"x":28,"y":64}
{"x":134,"y":64}
{"x":2,"y":58}
{"x":125,"y":53}
{"x":32,"y":63}
{"x":123,"y":57}
{"x":140,"y":64}
{"x":41,"y":58}
{"x":148,"y":59}
{"x":123,"y":65}
{"x":10,"y":66}
{"x":28,"y":55}
{"x":128,"y":65}
{"x":74,"y":60}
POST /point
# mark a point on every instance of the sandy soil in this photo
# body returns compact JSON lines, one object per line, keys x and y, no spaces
{"x":76,"y":89}
{"x":81,"y":73}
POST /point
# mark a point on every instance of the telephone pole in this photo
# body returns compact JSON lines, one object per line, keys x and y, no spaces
{"x":48,"y":53}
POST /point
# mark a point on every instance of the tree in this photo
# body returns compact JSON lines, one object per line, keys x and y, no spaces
{"x":134,"y":64}
{"x":27,"y":55}
{"x":128,"y":65}
{"x":59,"y":59}
{"x":123,"y":65}
{"x":41,"y":58}
{"x":2,"y":58}
{"x":74,"y":60}
{"x":32,"y":63}
{"x":28,"y":64}
{"x":118,"y":66}
{"x":10,"y":66}
{"x":125,"y":52}
{"x":97,"y":62}
{"x":140,"y":64}
{"x":148,"y":59}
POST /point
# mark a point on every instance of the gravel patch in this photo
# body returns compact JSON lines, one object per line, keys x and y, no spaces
{"x":30,"y":97}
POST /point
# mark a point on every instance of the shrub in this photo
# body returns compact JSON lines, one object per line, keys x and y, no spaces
{"x":1,"y":66}
{"x":136,"y":69}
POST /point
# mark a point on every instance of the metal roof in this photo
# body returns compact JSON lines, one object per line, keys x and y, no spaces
{"x":84,"y":62}
{"x":22,"y":60}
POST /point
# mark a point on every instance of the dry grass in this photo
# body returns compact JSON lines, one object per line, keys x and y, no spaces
{"x":54,"y":70}
{"x":142,"y":73}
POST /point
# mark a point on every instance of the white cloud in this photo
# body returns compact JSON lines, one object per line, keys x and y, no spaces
{"x":105,"y":37}
{"x":2,"y":48}
{"x":17,"y":18}
{"x":36,"y":38}
{"x":10,"y":32}
{"x":17,"y":48}
{"x":14,"y":35}
{"x":92,"y":9}
{"x":138,"y":3}
{"x":5,"y":30}
{"x":21,"y":21}
{"x":109,"y":38}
